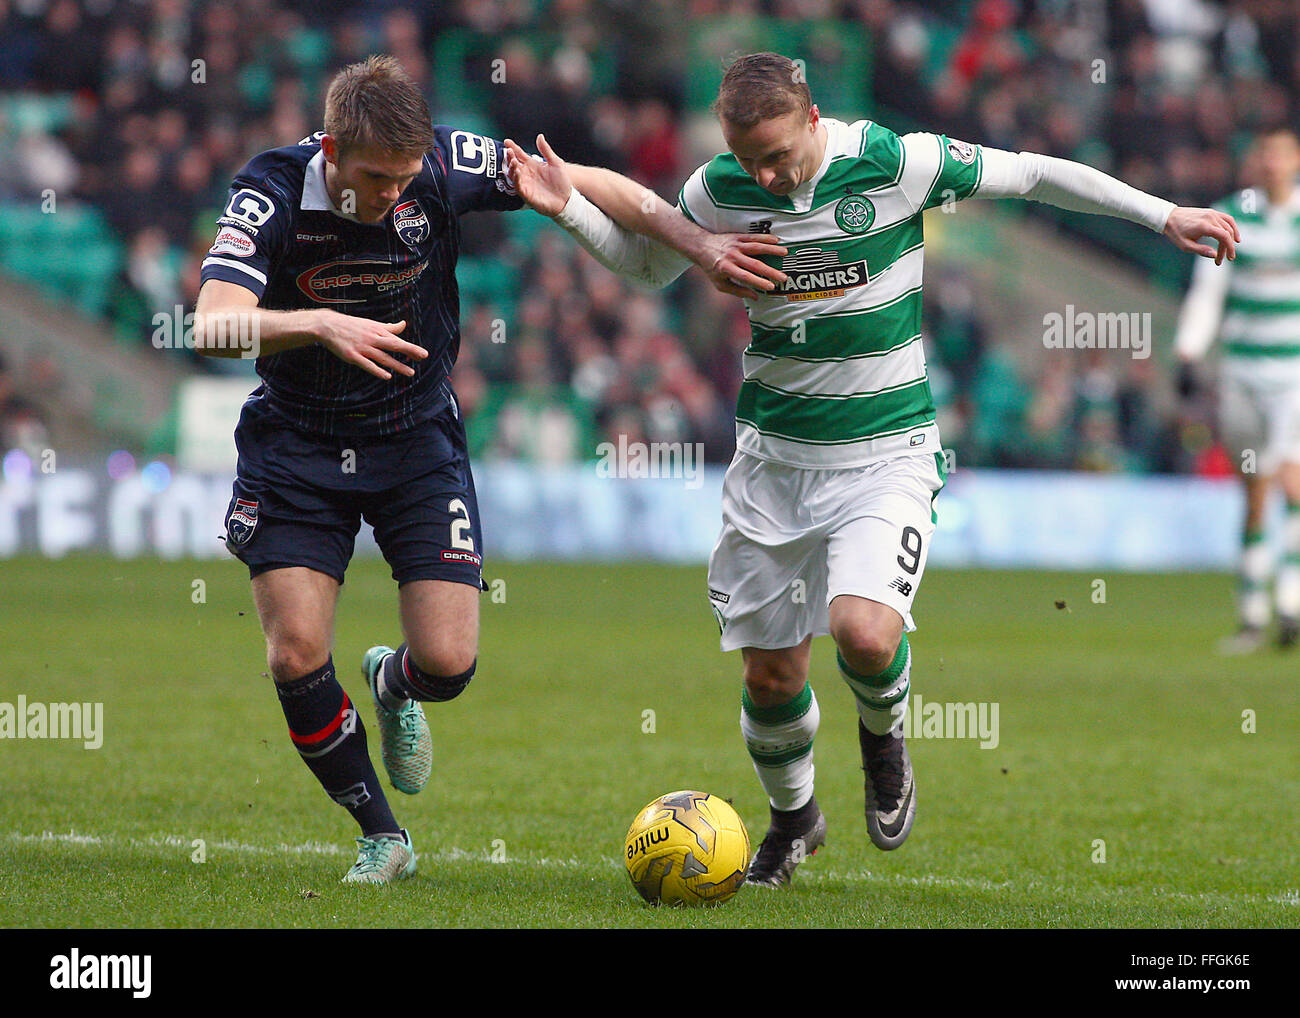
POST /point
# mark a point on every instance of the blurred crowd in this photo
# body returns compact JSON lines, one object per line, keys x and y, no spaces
{"x":167,"y":98}
{"x":21,"y":423}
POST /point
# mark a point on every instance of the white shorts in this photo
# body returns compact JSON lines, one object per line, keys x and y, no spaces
{"x":793,"y":539}
{"x":1263,"y":417}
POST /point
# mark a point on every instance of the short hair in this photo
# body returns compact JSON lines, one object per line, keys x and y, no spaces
{"x":761,"y":86}
{"x":376,"y":103}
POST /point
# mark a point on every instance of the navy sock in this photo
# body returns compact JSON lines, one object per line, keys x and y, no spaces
{"x":327,"y":730}
{"x":400,"y":675}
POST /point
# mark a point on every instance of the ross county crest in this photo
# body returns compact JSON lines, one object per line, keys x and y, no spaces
{"x":410,"y":222}
{"x":240,"y":523}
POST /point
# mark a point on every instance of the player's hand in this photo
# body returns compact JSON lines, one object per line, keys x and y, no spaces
{"x":1186,"y":227}
{"x":731,"y":261}
{"x":371,"y":346}
{"x":544,"y":186}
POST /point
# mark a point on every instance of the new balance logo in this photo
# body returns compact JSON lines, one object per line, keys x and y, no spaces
{"x":902,"y":586}
{"x":761,"y":226}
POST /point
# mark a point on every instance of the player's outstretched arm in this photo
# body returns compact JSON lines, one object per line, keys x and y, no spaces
{"x":228,"y":323}
{"x":633,"y":231}
{"x":1071,"y":185}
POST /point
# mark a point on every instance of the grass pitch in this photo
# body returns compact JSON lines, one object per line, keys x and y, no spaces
{"x":1120,"y":739}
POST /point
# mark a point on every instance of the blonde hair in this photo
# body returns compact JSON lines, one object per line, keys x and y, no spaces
{"x":376,"y":103}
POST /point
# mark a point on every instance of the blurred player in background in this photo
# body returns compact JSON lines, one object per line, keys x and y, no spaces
{"x":827,"y":505}
{"x":1255,"y":311}
{"x":337,"y":257}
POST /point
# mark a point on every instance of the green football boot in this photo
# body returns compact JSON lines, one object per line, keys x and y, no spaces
{"x":382,"y":860}
{"x":406,"y":745}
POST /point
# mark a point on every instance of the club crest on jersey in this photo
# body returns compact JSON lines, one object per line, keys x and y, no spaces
{"x":855,"y":214}
{"x":814,"y":274}
{"x":410,"y":222}
{"x":241,"y":523}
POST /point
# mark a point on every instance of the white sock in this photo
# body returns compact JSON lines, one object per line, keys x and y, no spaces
{"x":1252,"y":581}
{"x":882,"y":698}
{"x":1287,"y":591}
{"x":780,"y":742}
{"x":392,"y":699}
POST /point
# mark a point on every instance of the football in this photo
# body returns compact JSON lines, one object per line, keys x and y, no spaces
{"x":687,"y":848}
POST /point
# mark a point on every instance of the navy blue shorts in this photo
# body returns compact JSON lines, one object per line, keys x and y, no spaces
{"x":299,"y":499}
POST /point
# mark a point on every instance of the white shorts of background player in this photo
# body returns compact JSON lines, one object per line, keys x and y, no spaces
{"x":1261,"y":415}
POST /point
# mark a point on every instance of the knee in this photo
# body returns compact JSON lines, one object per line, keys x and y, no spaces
{"x":868,"y":648}
{"x":443,"y":660}
{"x":771,"y":683}
{"x":441,"y":685}
{"x":292,"y":655}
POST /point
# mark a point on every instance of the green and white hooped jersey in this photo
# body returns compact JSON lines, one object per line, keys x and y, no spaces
{"x":834,"y":374}
{"x":1261,"y":309}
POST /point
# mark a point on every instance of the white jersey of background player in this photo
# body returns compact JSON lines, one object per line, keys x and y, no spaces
{"x":827,"y":513}
{"x":1255,"y":311}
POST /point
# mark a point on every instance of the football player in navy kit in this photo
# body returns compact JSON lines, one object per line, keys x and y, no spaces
{"x":335,"y":263}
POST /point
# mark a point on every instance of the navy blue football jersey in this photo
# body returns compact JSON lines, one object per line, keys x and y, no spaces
{"x":281,"y":238}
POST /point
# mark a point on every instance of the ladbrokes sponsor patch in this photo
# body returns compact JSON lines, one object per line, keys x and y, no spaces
{"x":233,"y":242}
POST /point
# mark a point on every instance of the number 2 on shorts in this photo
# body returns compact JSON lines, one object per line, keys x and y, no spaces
{"x":460,"y":537}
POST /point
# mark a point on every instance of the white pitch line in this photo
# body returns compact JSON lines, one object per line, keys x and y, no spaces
{"x":452,"y":855}
{"x":1289,"y":897}
{"x":463,"y":855}
{"x":176,"y":841}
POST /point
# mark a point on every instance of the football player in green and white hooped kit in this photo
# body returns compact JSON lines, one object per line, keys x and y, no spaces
{"x":828,"y":504}
{"x":1254,"y":309}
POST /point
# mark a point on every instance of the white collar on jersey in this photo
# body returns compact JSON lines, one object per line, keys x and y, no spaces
{"x":314,"y":195}
{"x":801,"y":197}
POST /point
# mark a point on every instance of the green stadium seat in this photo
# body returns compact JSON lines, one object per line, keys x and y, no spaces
{"x":310,"y":49}
{"x":460,"y":95}
{"x":25,"y":111}
{"x":70,"y":253}
{"x":838,"y":62}
{"x":488,"y":279}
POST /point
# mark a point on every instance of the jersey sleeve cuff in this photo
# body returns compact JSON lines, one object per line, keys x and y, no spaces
{"x":230,"y":271}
